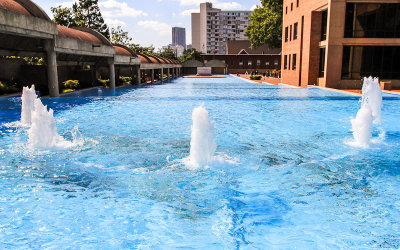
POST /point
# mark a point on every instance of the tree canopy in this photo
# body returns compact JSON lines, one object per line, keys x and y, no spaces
{"x":266,"y":24}
{"x":190,"y":54}
{"x":85,"y":13}
{"x":119,"y":36}
{"x":168,"y":53}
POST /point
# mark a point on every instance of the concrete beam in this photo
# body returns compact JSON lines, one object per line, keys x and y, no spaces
{"x":28,"y":26}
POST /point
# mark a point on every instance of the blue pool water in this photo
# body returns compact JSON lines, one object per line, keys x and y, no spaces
{"x":288,"y":180}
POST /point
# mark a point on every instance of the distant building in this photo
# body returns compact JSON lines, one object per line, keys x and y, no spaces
{"x":241,"y":58}
{"x":335,"y":43}
{"x":212,"y":28}
{"x":189,"y":46}
{"x":178,"y":49}
{"x":179,"y":37}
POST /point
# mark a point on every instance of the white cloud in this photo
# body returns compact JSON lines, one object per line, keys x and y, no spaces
{"x":66,"y":4}
{"x":253,"y":7}
{"x":189,"y":12}
{"x":115,"y":22}
{"x":216,"y":4}
{"x":161,"y":28}
{"x":113,"y":8}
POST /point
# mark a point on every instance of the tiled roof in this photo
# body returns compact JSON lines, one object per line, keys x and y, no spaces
{"x":144,"y":59}
{"x":235,"y":47}
{"x":78,"y":35}
{"x":122,"y":51}
{"x":14,"y":6}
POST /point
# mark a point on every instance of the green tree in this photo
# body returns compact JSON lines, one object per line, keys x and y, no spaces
{"x":168,"y":53}
{"x":143,"y":50}
{"x":63,"y":16}
{"x":190,"y":54}
{"x":89,"y":12}
{"x":119,"y":36}
{"x":266,"y":24}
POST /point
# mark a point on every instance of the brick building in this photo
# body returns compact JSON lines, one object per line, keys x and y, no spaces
{"x":334,"y":43}
{"x":241,"y":58}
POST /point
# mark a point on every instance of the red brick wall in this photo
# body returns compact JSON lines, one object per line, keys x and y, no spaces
{"x":237,"y":68}
{"x":305,"y":9}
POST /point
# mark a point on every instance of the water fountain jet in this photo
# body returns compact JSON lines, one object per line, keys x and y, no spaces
{"x":369,"y":113}
{"x":202,"y":144}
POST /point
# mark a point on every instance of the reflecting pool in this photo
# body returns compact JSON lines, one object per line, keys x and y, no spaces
{"x":286,"y":176}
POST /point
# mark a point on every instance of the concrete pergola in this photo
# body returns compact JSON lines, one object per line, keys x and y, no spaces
{"x":171,"y":67}
{"x":27,"y":31}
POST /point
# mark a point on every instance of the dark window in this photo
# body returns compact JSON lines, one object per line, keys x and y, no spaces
{"x":295,"y":27}
{"x":297,"y":3}
{"x":324,"y":25}
{"x":232,"y":62}
{"x":291,"y":6}
{"x":286,"y":9}
{"x":372,"y":20}
{"x":321,"y":62}
{"x":285,"y":62}
{"x":286,"y":34}
{"x":294,"y":64}
{"x":377,"y":61}
{"x":290,"y":57}
{"x":290,"y":33}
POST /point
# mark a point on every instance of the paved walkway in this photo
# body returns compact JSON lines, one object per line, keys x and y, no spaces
{"x":270,"y":80}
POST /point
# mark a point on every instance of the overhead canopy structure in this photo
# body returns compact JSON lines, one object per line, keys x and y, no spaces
{"x":27,"y":31}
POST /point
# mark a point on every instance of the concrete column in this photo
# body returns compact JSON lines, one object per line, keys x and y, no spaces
{"x":52,"y":73}
{"x":139,"y":76}
{"x":162,"y":74}
{"x":112,"y":74}
{"x":152,"y":76}
{"x":168,"y":74}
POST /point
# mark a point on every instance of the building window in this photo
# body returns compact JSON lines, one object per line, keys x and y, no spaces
{"x":295,"y":27}
{"x":294,"y":64}
{"x":324,"y":25}
{"x":286,"y":34}
{"x":291,"y":6}
{"x":297,"y":3}
{"x":377,"y":61}
{"x":372,"y":20}
{"x":276,"y":62}
{"x":286,"y":9}
{"x":258,"y":62}
{"x":250,"y":63}
{"x":285,"y":62}
{"x":290,"y":57}
{"x":267,"y":63}
{"x":321,"y":62}
{"x":290,"y":33}
{"x":241,"y":63}
{"x":232,"y":63}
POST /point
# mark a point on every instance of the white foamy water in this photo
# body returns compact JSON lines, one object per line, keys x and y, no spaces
{"x":43,"y":130}
{"x":372,"y":94}
{"x":28,"y":100}
{"x":362,"y":127}
{"x":202,"y":144}
{"x":370,"y":113}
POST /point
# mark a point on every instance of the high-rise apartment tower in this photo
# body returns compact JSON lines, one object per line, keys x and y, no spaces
{"x":212,"y":28}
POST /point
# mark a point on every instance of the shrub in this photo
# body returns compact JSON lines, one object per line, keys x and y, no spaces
{"x":7,"y":89}
{"x":125,"y":80}
{"x":255,"y":77}
{"x":71,"y":84}
{"x":104,"y":82}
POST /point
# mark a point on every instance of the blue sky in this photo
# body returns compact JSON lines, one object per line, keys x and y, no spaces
{"x":150,"y":21}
